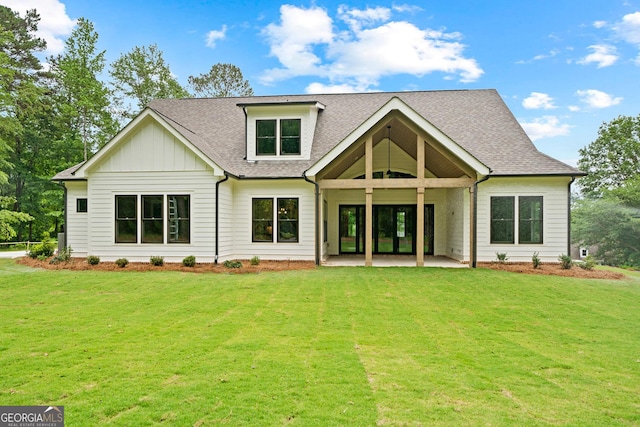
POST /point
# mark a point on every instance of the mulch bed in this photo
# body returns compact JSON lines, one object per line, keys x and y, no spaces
{"x":81,"y":264}
{"x":552,"y":269}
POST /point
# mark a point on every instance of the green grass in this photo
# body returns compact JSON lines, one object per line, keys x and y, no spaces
{"x":332,"y":346}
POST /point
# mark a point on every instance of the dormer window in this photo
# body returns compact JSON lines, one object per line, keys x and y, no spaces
{"x":278,"y":137}
{"x":281,"y":131}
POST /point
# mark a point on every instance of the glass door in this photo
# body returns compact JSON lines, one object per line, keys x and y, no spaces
{"x":352,"y":229}
{"x":394,"y":229}
{"x":428,"y":229}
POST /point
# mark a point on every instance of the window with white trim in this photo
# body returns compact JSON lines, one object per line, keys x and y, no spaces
{"x":278,"y":137}
{"x":155,"y":227}
{"x":285,"y":227}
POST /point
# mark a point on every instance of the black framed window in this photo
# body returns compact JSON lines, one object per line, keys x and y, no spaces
{"x":530,"y":219}
{"x":266,"y":137}
{"x":81,"y":205}
{"x":152,"y":210}
{"x":502,"y":219}
{"x":178,"y":221}
{"x":290,"y":136}
{"x":287,"y":220}
{"x":262,"y":220}
{"x":126,"y":219}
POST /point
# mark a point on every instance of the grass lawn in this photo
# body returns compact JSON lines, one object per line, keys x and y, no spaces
{"x":331,"y":346}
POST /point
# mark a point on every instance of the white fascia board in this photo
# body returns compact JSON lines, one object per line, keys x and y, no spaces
{"x":138,"y":121}
{"x":397,"y":104}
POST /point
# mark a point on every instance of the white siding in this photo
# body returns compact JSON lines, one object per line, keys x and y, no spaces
{"x":555,"y":217}
{"x":200,"y":186}
{"x":150,"y":161}
{"x":241,"y":221}
{"x":457,"y":212}
{"x":226,"y":220}
{"x":77,"y":222}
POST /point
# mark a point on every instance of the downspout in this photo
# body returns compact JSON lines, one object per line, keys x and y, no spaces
{"x":573,"y":178}
{"x":246,"y":131}
{"x":474,"y":260}
{"x":317,"y":225}
{"x":226,"y":177}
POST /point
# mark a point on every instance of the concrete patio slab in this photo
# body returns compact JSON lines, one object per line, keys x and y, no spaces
{"x":392,"y":261}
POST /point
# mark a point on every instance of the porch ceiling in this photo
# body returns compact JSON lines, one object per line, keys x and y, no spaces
{"x":438,"y":160}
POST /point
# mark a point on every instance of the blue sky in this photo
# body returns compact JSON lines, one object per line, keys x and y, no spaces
{"x":563,"y":67}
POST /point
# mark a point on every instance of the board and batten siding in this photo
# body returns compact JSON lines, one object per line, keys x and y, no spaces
{"x":457,"y":212}
{"x":151,"y":161}
{"x":77,"y":222}
{"x":243,"y":193}
{"x":554,"y":217}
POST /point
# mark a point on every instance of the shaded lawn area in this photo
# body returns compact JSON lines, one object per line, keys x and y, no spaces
{"x":331,"y":346}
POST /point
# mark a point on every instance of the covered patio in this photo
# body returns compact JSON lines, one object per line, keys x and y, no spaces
{"x":392,"y":261}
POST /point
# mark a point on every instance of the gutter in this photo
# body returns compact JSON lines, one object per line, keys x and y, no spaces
{"x":474,"y":248}
{"x":573,"y":178}
{"x":317,"y":224}
{"x":226,"y":178}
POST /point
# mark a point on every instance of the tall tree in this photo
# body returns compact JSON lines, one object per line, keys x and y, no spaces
{"x":24,"y":112}
{"x":82,"y":100}
{"x":610,"y":226}
{"x":222,"y":80}
{"x":613,"y":158}
{"x":141,"y":76}
{"x":608,"y":216}
{"x":18,"y":78}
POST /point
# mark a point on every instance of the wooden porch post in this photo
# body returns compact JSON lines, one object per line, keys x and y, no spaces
{"x":368,"y":217}
{"x":420,"y":228}
{"x":420,"y":165}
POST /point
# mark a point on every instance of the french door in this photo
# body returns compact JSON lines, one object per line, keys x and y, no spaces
{"x":394,"y":229}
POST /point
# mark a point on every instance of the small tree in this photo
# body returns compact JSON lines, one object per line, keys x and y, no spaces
{"x":223,"y":80}
{"x":9,"y":218}
{"x":141,"y":76}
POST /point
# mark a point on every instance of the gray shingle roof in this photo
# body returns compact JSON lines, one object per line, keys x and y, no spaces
{"x":477,"y":120}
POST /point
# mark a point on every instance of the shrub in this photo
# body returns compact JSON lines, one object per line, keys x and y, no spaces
{"x":565,"y":261}
{"x":122,"y":262}
{"x":189,"y":261}
{"x":45,"y":249}
{"x":93,"y":260}
{"x":232,"y":264}
{"x":588,"y":263}
{"x":536,"y":260}
{"x":255,"y":260}
{"x":502,"y":257}
{"x":63,"y":256}
{"x":157,"y":261}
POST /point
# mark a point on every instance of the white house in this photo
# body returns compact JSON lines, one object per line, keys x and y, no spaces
{"x":305,"y":177}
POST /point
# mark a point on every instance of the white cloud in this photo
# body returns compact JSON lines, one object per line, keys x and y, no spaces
{"x":214,"y":35}
{"x":545,"y":127}
{"x":538,"y":100}
{"x":603,"y":55}
{"x":629,"y":28}
{"x":551,"y":54}
{"x":322,"y":88}
{"x":356,"y":18}
{"x":574,"y":108}
{"x":599,"y":24}
{"x":308,"y":42}
{"x":293,"y":40}
{"x":597,"y":99}
{"x":54,"y":26}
